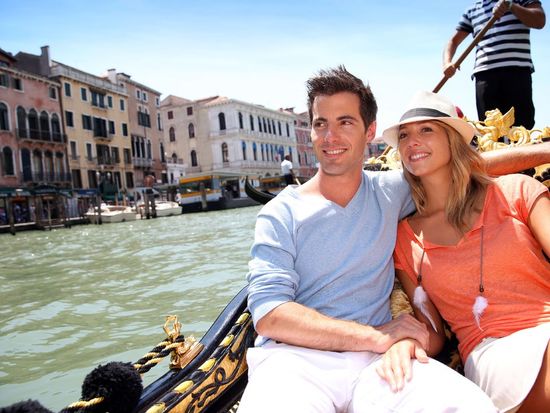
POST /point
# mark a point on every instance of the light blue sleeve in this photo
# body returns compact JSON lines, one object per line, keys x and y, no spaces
{"x":272,"y":278}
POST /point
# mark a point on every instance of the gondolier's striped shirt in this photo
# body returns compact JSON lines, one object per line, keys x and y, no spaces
{"x":506,"y":44}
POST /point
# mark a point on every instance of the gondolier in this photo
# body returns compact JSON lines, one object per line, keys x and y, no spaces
{"x":286,"y":170}
{"x":503,"y":64}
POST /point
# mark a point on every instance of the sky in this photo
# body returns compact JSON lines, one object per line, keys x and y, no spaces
{"x":262,"y":52}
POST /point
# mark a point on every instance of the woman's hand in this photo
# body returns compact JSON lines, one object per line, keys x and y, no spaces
{"x":396,"y":364}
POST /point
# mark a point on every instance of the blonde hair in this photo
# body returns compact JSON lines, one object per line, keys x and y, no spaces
{"x":468,"y":181}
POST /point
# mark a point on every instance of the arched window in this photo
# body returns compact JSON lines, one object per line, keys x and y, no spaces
{"x":281,"y":152}
{"x":172,"y":134}
{"x":194,"y":158}
{"x":251,"y":122}
{"x":225,"y":152}
{"x":287,"y":130}
{"x":269,"y":126}
{"x":262,"y":150}
{"x":37,"y":165}
{"x":21,"y":122}
{"x":280,"y":133}
{"x":221,"y":119}
{"x":191,"y":128}
{"x":260,"y":124}
{"x":33,"y":124}
{"x":255,"y":151}
{"x":4,"y":118}
{"x":44,"y":126}
{"x":56,"y":128}
{"x":7,"y":161}
{"x":174,"y":158}
{"x":48,"y":166}
{"x":59,"y":168}
{"x":265,"y":126}
{"x":244,"y":150}
{"x":241,"y":121}
{"x":26,"y":164}
{"x":162,"y":154}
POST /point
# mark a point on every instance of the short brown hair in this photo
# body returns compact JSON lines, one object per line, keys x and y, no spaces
{"x":331,"y":81}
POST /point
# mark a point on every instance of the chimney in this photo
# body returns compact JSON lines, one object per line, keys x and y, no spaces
{"x":111,"y":75}
{"x":45,"y":61}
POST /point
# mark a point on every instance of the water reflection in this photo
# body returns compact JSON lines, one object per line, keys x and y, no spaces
{"x":75,"y":298}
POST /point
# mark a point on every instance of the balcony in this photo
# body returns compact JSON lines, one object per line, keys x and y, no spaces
{"x":106,"y":161}
{"x":42,"y":136}
{"x":48,"y":177}
{"x":142,"y":162}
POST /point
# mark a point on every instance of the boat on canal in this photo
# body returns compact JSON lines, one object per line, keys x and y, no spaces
{"x":213,"y":191}
{"x":110,"y":214}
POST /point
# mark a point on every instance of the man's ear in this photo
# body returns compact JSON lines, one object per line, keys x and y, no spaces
{"x":371,"y":132}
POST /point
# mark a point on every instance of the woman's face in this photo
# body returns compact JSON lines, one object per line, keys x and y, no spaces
{"x":424,"y":148}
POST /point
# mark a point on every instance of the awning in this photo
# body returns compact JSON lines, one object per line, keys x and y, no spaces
{"x":13,"y":192}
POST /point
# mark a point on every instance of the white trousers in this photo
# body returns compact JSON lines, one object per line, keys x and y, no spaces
{"x":285,"y":379}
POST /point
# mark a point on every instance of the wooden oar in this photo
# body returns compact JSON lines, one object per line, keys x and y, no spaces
{"x":465,"y":53}
{"x":459,"y":61}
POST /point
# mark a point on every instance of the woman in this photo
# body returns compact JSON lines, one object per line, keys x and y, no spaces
{"x":473,"y":254}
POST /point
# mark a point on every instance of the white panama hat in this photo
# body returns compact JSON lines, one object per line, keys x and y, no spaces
{"x":429,"y":106}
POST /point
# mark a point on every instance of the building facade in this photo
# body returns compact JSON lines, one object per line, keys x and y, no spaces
{"x":305,"y":163}
{"x":226,"y":135}
{"x":145,"y":127}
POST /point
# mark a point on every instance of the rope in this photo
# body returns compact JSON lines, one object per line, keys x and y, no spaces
{"x":172,"y":344}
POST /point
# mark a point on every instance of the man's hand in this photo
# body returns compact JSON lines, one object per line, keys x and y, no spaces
{"x":501,"y":8}
{"x":449,"y":70}
{"x":396,"y":364}
{"x":404,"y":326}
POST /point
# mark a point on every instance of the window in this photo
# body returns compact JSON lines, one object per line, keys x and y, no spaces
{"x":86,"y":122}
{"x":241,"y":121}
{"x":129,"y":179}
{"x":83,"y":94}
{"x":225,"y":152}
{"x":17,"y":83}
{"x":115,"y":156}
{"x":124,"y":129}
{"x":138,"y":94}
{"x":159,"y":122}
{"x":170,"y":114}
{"x":53,"y":93}
{"x":255,"y":151}
{"x":89,"y":154}
{"x":144,"y":96}
{"x":162,"y":155}
{"x":69,"y":120}
{"x":251,"y":122}
{"x":22,"y":122}
{"x":7,"y":161}
{"x":4,"y":80}
{"x":77,"y":178}
{"x":244,"y":150}
{"x":44,"y":126}
{"x":191,"y":128}
{"x":269,"y":126}
{"x":144,"y":119}
{"x":56,"y":129}
{"x":73,"y":150}
{"x":4,"y":119}
{"x":280,"y":133}
{"x":110,"y":101}
{"x":287,"y":130}
{"x":100,"y":127}
{"x":67,"y":87}
{"x":127,"y":156}
{"x":189,"y":110}
{"x":194,"y":158}
{"x":34,"y":131}
{"x":122,"y":105}
{"x":98,"y":99}
{"x":157,"y":102}
{"x":221,"y":119}
{"x":260,"y":124}
{"x":111,"y":127}
{"x":172,"y":134}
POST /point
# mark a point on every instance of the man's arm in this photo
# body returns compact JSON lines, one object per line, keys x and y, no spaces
{"x":295,"y":324}
{"x":450,"y":49}
{"x":531,"y":15}
{"x":516,"y":159}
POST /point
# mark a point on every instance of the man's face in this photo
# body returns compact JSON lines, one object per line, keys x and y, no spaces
{"x":339,"y":134}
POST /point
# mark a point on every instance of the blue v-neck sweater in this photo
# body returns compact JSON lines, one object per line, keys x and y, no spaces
{"x":336,"y":260}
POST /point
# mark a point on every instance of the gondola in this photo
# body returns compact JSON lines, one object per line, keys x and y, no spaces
{"x":210,"y":375}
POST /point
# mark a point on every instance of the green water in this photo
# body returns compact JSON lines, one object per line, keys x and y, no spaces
{"x":74,"y":298}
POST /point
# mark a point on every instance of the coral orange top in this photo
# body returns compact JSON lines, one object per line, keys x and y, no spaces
{"x":516,"y":275}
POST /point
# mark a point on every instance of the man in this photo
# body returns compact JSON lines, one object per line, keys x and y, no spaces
{"x":286,"y":170}
{"x":321,"y":274}
{"x":503,"y":64}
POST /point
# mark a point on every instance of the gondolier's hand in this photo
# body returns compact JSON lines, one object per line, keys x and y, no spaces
{"x":396,"y":364}
{"x":404,"y":326}
{"x":501,"y":8}
{"x":449,"y":69}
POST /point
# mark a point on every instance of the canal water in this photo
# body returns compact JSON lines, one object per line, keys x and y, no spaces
{"x":74,"y":298}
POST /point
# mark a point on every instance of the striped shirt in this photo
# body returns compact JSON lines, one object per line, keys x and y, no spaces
{"x":506,"y":44}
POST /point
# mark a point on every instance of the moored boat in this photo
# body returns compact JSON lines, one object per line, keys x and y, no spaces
{"x":214,"y":191}
{"x":111,"y":214}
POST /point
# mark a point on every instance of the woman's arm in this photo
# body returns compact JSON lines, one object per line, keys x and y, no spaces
{"x":539,"y":221}
{"x":516,"y":159}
